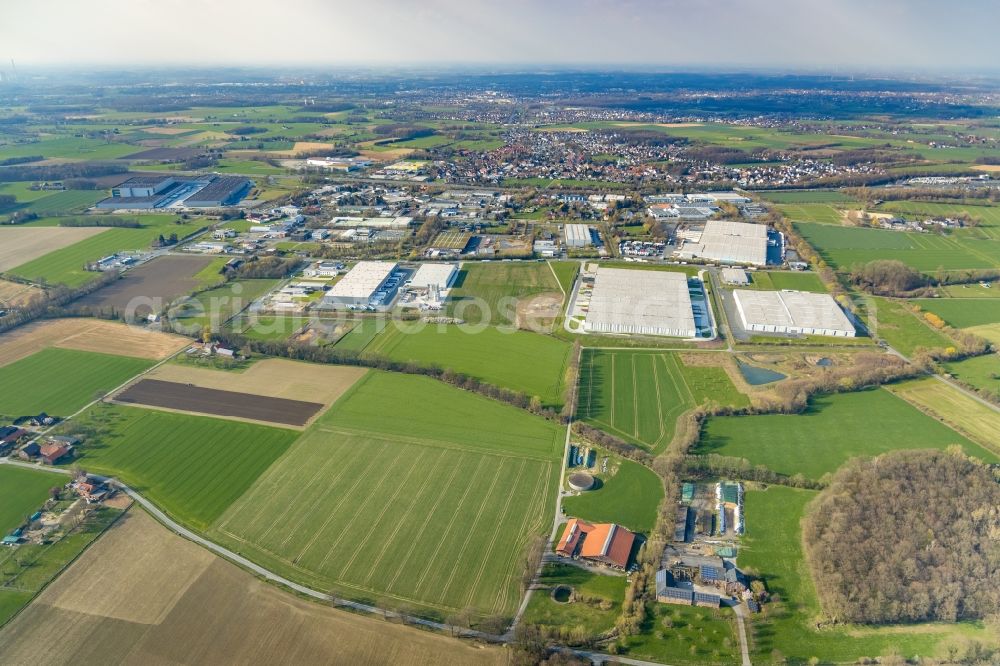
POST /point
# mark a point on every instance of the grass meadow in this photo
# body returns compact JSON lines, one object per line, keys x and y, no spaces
{"x":844,"y":247}
{"x":545,"y":611}
{"x":629,"y":497}
{"x":62,"y":381}
{"x":566,"y":272}
{"x":983,"y":372}
{"x":778,"y":280}
{"x":772,"y":548}
{"x":834,"y":429}
{"x":639,"y":395}
{"x":518,"y":360}
{"x":963,"y":312}
{"x":407,"y":492}
{"x":22,"y":492}
{"x":491,"y":282}
{"x":978,"y":421}
{"x":193,"y":467}
{"x":905,"y":330}
{"x":818,"y":213}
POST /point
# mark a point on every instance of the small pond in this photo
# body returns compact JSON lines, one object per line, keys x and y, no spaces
{"x":756,"y":376}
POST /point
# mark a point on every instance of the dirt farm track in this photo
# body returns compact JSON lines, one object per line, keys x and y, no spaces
{"x":142,"y":595}
{"x":190,"y":398}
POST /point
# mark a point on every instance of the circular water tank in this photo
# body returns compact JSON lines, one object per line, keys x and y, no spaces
{"x":581,"y":481}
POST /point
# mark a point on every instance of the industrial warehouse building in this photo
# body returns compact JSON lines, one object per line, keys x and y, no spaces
{"x":640,"y":302}
{"x":434,"y":275}
{"x":729,"y":243}
{"x":795,"y":312}
{"x":152,"y":192}
{"x":369,"y":283}
{"x":577,"y":235}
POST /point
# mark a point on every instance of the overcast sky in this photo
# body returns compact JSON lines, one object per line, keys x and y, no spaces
{"x":828,"y":34}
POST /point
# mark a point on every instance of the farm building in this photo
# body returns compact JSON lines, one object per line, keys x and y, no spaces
{"x":363,"y":284}
{"x":669,"y":592}
{"x":577,"y":235}
{"x":606,"y":543}
{"x":434,"y":275}
{"x":640,"y":302}
{"x":149,"y":192}
{"x":793,"y":312}
{"x":729,"y":243}
{"x":736,"y":276}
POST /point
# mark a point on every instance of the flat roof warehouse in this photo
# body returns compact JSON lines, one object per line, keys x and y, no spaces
{"x":730,"y":242}
{"x":641,"y":302}
{"x":795,"y":312}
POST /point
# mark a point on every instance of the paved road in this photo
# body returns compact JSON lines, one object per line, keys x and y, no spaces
{"x":740,"y":611}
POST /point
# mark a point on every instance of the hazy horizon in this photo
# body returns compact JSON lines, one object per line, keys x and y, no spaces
{"x":787,"y":35}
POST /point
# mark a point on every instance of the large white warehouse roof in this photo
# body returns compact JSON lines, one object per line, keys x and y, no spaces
{"x":641,"y":302}
{"x":792,"y":312}
{"x":434,"y":274}
{"x":731,"y":242}
{"x":362,"y":280}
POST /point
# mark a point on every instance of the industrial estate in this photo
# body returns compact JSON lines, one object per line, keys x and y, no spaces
{"x":491,"y":370}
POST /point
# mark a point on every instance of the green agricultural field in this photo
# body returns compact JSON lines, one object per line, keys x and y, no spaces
{"x":639,"y":395}
{"x":805,"y":196}
{"x":904,"y":330}
{"x":70,"y":201}
{"x":834,"y":429}
{"x":772,"y":547}
{"x":66,"y":266}
{"x":844,"y":247}
{"x":407,"y":492}
{"x":193,"y":467}
{"x":496,"y":286}
{"x":820,"y":213}
{"x":362,"y":334}
{"x":248,"y":167}
{"x":215,"y":307}
{"x":983,"y":372}
{"x":778,"y":280}
{"x":518,"y":360}
{"x":587,"y":616}
{"x":70,"y":148}
{"x":963,"y":312}
{"x":974,"y":418}
{"x":566,"y":272}
{"x":270,"y":327}
{"x":22,"y":492}
{"x":629,"y":497}
{"x":62,"y":381}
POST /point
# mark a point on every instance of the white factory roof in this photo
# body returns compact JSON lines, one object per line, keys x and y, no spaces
{"x":735,"y":276}
{"x":362,"y":280}
{"x":640,"y":302}
{"x":374,"y":222}
{"x":731,"y":242}
{"x":433,"y":274}
{"x":791,"y":311}
{"x":577,"y":233}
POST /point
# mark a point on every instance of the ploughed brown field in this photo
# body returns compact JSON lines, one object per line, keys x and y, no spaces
{"x":161,"y":280}
{"x":190,"y":398}
{"x":141,"y":595}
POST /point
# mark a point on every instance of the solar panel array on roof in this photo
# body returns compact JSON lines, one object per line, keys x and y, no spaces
{"x":709,"y":573}
{"x":677,"y":593}
{"x":701,"y":598}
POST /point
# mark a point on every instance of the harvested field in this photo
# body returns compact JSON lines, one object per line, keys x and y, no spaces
{"x":152,"y":286}
{"x":19,"y":245}
{"x":278,"y":378}
{"x":302,"y":147}
{"x":119,"y":604}
{"x":188,"y":398}
{"x":13,"y":294}
{"x":96,"y":335}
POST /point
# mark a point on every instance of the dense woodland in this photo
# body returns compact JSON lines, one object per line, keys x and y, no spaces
{"x":909,"y":536}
